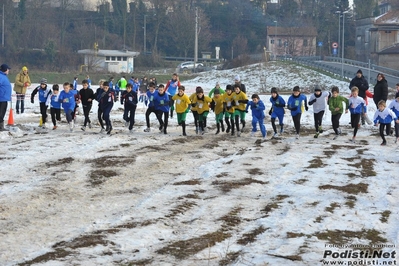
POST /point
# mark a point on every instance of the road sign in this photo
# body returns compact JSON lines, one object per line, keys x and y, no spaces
{"x":334,"y":45}
{"x":335,"y":51}
{"x":320,"y":44}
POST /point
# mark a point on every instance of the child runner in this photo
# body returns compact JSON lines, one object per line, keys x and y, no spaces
{"x":129,"y":102}
{"x":318,"y":100}
{"x":67,"y":98}
{"x":202,"y":103}
{"x":217,"y":106}
{"x":277,"y":111}
{"x":337,"y":109}
{"x":217,"y":87}
{"x":86,"y":95}
{"x":44,"y":100}
{"x":258,"y":114}
{"x":55,"y":106}
{"x":97,"y":96}
{"x":240,"y":101}
{"x":295,"y":103}
{"x":229,"y":109}
{"x":384,"y":117}
{"x":161,"y":101}
{"x":182,"y":107}
{"x":151,"y":106}
{"x":394,"y":106}
{"x":193,"y":109}
{"x":105,"y":104}
{"x":357,"y":108}
{"x":171,"y":88}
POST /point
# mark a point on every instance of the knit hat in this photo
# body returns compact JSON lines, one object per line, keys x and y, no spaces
{"x":217,"y":84}
{"x":296,"y":88}
{"x":397,"y":95}
{"x":216,"y":91}
{"x":274,"y":90}
{"x":43,"y":81}
{"x":4,"y":67}
{"x":105,"y":84}
{"x":237,"y":78}
{"x":24,"y":68}
{"x":229,"y":87}
{"x":317,"y":88}
{"x":359,"y":71}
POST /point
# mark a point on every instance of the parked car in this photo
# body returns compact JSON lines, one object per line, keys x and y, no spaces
{"x":189,"y":65}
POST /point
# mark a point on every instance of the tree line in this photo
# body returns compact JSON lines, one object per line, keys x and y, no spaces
{"x":47,"y":36}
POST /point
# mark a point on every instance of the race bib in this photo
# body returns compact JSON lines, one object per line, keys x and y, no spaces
{"x":130,"y":99}
{"x":200,"y":105}
{"x":237,"y":103}
{"x":228,"y":104}
{"x":178,"y":101}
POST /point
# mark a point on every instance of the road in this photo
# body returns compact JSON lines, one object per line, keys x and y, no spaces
{"x":391,"y":79}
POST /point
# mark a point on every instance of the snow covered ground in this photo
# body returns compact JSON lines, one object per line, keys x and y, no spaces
{"x":85,"y":198}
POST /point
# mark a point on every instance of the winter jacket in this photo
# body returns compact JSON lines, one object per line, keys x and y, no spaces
{"x":143,"y":85}
{"x":44,"y":94}
{"x":122,"y":84}
{"x":240,"y":100}
{"x":335,"y":102}
{"x":171,"y":86}
{"x":257,"y":109}
{"x":21,"y":83}
{"x":362,"y":85}
{"x":67,"y":99}
{"x":319,"y":101}
{"x":218,"y":104}
{"x":295,"y":104}
{"x":97,"y":95}
{"x":54,"y":102}
{"x":161,"y":101}
{"x":181,"y":102}
{"x":380,"y":91}
{"x":211,"y":92}
{"x":228,"y":99}
{"x":85,"y":95}
{"x":384,"y":117}
{"x":356,"y":105}
{"x":106,"y":100}
{"x":150,"y":96}
{"x":242,"y":87}
{"x":129,"y":99}
{"x":278,"y":105}
{"x":5,"y":88}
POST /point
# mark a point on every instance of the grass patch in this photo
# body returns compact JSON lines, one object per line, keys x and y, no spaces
{"x":98,"y":177}
{"x":350,"y":201}
{"x":274,"y":205}
{"x":300,"y":181}
{"x":192,"y":182}
{"x":255,"y":171}
{"x":329,"y":153}
{"x":318,"y":219}
{"x":316,"y":163}
{"x":385,"y":216}
{"x":231,"y":219}
{"x":350,"y":188}
{"x":181,"y":208}
{"x":332,"y":207}
{"x":110,"y":161}
{"x":189,"y":196}
{"x":230,"y":258}
{"x":251,"y":236}
{"x":337,"y":237}
{"x":295,"y":235}
{"x":59,"y":162}
{"x":227,"y":186}
{"x":366,"y":167}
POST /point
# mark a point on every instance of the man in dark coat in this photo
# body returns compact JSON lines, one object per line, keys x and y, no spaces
{"x":361,"y":83}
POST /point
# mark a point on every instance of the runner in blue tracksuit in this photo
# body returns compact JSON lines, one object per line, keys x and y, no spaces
{"x":67,"y":98}
{"x":151,"y":107}
{"x":171,"y":89}
{"x":357,"y":109}
{"x":55,"y":106}
{"x":277,"y":111}
{"x":105,"y":104}
{"x":44,"y":98}
{"x":129,"y":102}
{"x":295,"y":103}
{"x":258,"y":114}
{"x":394,"y":106}
{"x":162,"y":106}
{"x":384,"y":116}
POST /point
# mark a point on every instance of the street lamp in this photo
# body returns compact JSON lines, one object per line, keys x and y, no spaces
{"x":275,"y":40}
{"x":343,"y":43}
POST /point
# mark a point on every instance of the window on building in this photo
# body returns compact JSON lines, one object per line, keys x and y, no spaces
{"x":124,"y":58}
{"x":280,"y":43}
{"x":107,"y":58}
{"x":305,"y":42}
{"x":119,"y":58}
{"x":113,"y":58}
{"x":272,"y":41}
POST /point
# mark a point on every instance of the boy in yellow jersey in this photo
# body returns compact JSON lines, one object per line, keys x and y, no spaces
{"x":182,"y":102}
{"x":240,"y":100}
{"x":202,"y":103}
{"x":218,"y":107}
{"x":229,"y":109}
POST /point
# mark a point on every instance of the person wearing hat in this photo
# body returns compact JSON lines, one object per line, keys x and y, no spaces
{"x":318,"y":101}
{"x":277,"y":111}
{"x":258,"y":114}
{"x":22,"y":82}
{"x":394,"y":106}
{"x":44,"y":100}
{"x":201,"y":102}
{"x":217,"y":86}
{"x":294,"y":104}
{"x":237,"y":81}
{"x":361,"y":83}
{"x":5,"y":93}
{"x":380,"y":89}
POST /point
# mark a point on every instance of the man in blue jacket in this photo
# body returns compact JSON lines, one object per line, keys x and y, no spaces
{"x":5,"y":93}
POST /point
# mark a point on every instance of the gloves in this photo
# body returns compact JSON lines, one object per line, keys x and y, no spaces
{"x":193,"y":104}
{"x":32,"y":101}
{"x":228,"y":107}
{"x":271,"y":111}
{"x":306,"y":108}
{"x":312,"y":102}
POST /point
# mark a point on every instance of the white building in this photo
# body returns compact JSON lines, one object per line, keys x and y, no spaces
{"x":112,"y":61}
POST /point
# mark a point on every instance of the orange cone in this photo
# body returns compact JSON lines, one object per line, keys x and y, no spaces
{"x":10,"y":118}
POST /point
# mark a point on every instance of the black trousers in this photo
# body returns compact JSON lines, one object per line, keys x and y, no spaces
{"x":355,"y":119}
{"x":165,"y":119}
{"x":3,"y":110}
{"x":148,"y":113}
{"x":43,"y":112}
{"x":318,"y":118}
{"x":382,"y":127}
{"x":86,"y":113}
{"x":297,"y":122}
{"x":335,"y":122}
{"x":55,"y":115}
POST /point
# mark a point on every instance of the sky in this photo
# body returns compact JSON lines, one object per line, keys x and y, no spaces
{"x":85,"y":198}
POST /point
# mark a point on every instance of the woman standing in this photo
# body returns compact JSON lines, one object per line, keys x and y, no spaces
{"x":380,"y":89}
{"x":22,"y":82}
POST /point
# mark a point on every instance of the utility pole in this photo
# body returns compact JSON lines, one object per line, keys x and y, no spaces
{"x":2,"y":29}
{"x":196,"y":39}
{"x":145,"y":34}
